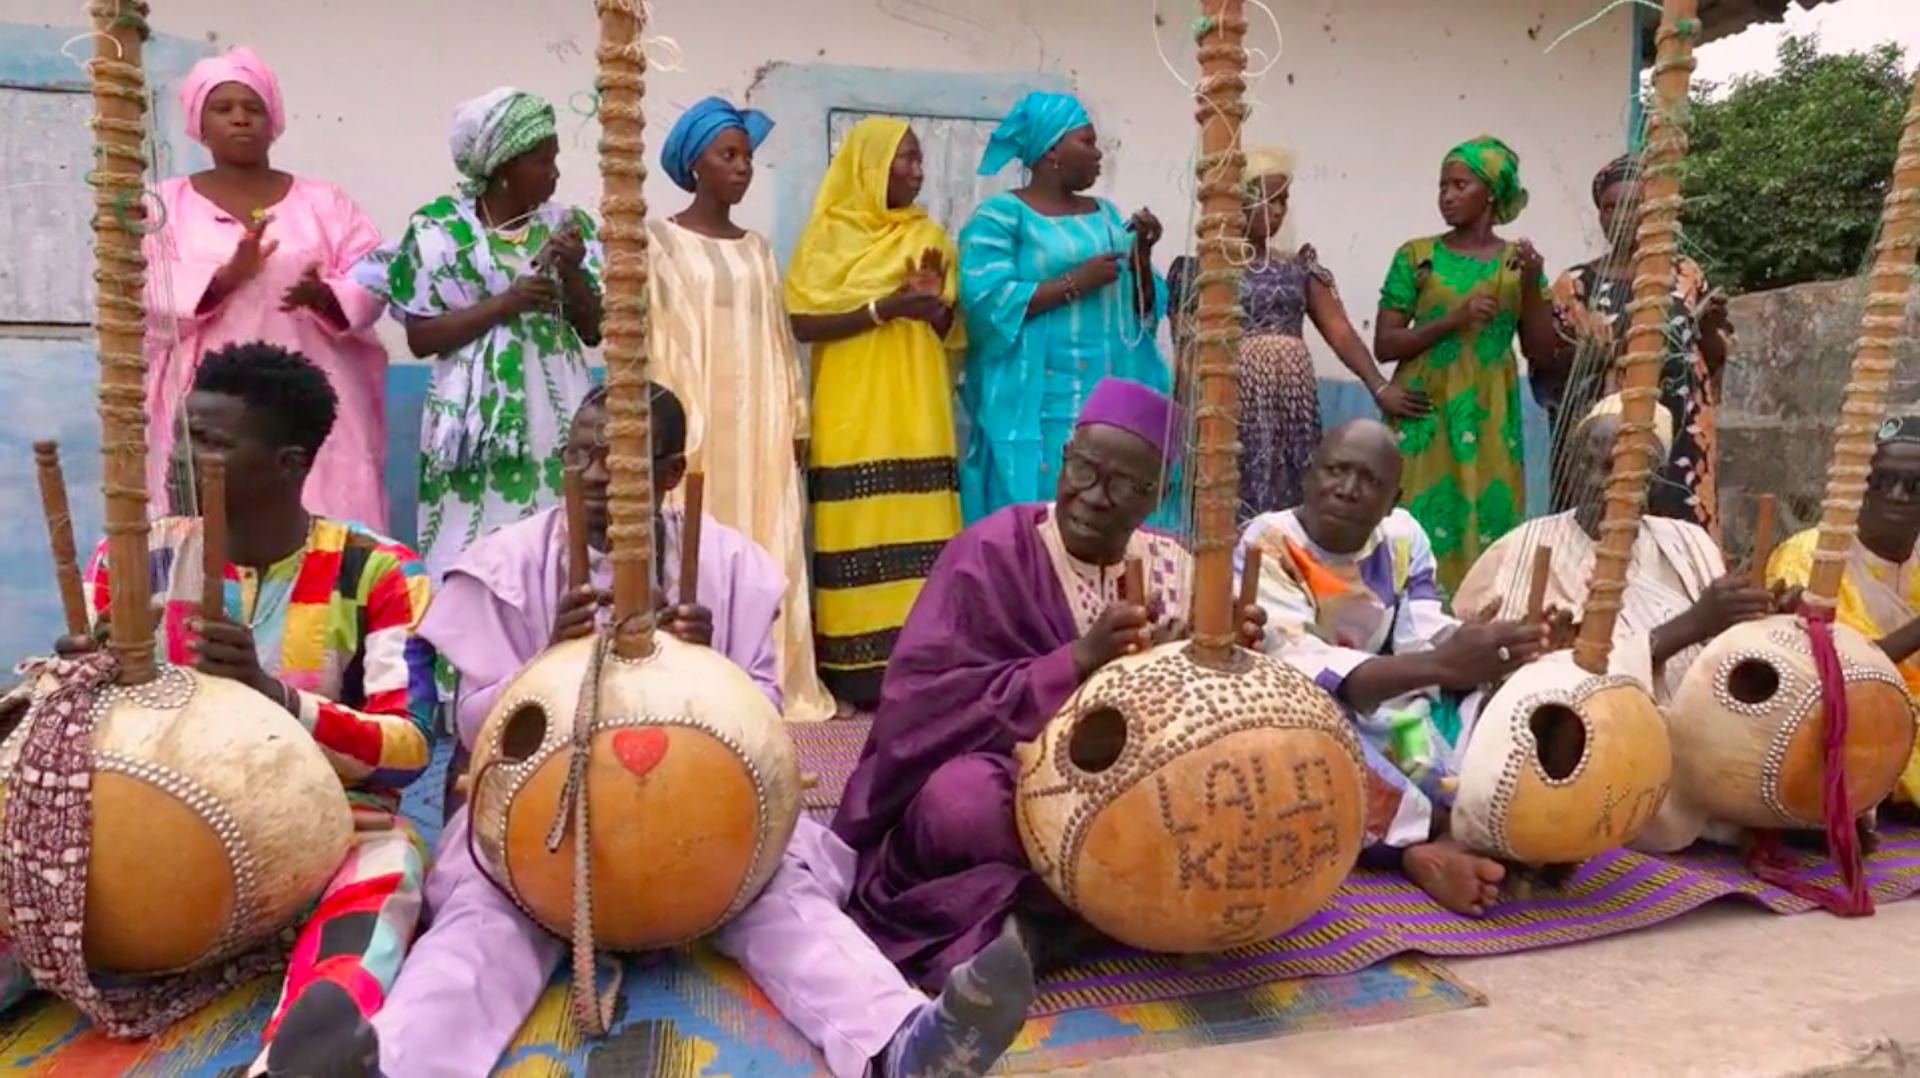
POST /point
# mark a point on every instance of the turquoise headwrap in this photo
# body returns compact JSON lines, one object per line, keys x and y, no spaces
{"x":1033,"y":127}
{"x":699,"y":126}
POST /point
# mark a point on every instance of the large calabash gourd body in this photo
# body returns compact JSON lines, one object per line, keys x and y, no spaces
{"x":217,"y":821}
{"x":693,"y":792}
{"x":1561,"y":765}
{"x":1749,"y":728}
{"x":1232,"y":809}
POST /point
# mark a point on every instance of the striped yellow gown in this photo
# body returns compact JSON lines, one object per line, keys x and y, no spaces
{"x":722,"y":344}
{"x":885,"y":473}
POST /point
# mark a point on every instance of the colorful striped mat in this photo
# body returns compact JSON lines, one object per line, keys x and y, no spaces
{"x":697,"y":1016}
{"x":1378,"y":915}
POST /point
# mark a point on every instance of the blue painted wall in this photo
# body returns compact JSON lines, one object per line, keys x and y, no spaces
{"x":50,"y":381}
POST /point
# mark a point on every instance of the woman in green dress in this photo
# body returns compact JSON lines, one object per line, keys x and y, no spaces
{"x":500,"y":287}
{"x":1448,"y":313}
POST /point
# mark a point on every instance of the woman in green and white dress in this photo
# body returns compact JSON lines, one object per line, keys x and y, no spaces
{"x":501,"y":289}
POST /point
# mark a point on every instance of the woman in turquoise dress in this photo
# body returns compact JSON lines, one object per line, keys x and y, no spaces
{"x":1059,"y":292}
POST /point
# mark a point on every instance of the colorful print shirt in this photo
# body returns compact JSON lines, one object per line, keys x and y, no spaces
{"x":334,"y":621}
{"x":1328,"y":614}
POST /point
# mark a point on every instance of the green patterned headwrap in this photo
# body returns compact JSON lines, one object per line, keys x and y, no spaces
{"x":495,"y":128}
{"x":1499,"y":168}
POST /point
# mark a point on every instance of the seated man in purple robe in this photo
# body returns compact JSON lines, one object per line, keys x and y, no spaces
{"x":475,"y":975}
{"x":1020,"y":608}
{"x":1348,"y":584}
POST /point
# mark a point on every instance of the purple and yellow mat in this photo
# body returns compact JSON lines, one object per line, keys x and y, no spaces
{"x":695,"y":1015}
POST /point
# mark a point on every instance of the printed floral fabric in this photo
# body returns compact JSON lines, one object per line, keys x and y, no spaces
{"x":1464,"y":480}
{"x":497,"y":413}
{"x":1279,"y":392}
{"x":1591,"y":309}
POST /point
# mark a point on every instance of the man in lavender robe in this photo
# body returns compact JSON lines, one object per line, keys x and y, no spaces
{"x":472,"y":979}
{"x":1020,"y":608}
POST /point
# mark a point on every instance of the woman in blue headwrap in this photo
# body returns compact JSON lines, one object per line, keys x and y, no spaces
{"x":722,"y":343}
{"x":1059,"y":292}
{"x":500,"y":287}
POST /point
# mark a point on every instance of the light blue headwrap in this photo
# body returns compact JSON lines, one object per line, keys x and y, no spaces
{"x":1033,"y":127}
{"x":699,"y":126}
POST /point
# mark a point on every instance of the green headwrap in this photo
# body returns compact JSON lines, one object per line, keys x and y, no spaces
{"x":1499,"y":168}
{"x":495,"y":128}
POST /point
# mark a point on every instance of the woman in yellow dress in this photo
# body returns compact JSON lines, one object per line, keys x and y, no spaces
{"x":871,"y":287}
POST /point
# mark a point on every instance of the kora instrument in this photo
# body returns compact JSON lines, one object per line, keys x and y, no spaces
{"x":1568,"y":757}
{"x":1232,"y":809}
{"x":217,"y":821}
{"x":1562,"y":765}
{"x":1749,"y":726}
{"x":693,"y":790}
{"x":1750,"y":720}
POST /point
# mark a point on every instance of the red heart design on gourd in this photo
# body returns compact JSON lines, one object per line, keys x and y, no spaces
{"x":640,"y":751}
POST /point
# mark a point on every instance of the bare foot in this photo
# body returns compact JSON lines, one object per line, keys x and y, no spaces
{"x":1455,"y":877}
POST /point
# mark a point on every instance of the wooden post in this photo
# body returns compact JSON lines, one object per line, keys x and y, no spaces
{"x":623,"y":213}
{"x":213,"y":535}
{"x":1540,"y":576}
{"x":1221,"y":31}
{"x":1763,"y":529}
{"x":573,"y":484}
{"x":66,"y":559}
{"x":1653,"y":272}
{"x":120,"y":274}
{"x":1133,"y":582}
{"x":696,"y":502}
{"x":1865,"y":403}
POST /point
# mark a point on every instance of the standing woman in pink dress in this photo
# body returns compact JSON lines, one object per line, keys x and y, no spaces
{"x":245,"y":252}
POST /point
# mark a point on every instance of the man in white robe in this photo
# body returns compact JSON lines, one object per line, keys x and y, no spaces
{"x":1679,"y":593}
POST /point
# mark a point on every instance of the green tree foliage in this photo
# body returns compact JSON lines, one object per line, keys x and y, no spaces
{"x":1786,"y":173}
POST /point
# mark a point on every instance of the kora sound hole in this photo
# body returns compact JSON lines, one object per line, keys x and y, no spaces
{"x":523,"y":733}
{"x":1559,"y":739}
{"x":1098,"y":740}
{"x":1753,"y":681}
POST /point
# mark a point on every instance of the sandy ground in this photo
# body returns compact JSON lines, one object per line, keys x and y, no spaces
{"x":1727,"y":992}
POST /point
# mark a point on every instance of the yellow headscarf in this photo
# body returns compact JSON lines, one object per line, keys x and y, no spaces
{"x":854,"y":249}
{"x":1264,"y":161}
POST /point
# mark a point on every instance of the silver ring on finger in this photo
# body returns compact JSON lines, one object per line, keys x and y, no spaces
{"x":1506,"y":656}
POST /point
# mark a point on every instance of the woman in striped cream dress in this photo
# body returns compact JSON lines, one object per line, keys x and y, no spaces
{"x":721,"y":342}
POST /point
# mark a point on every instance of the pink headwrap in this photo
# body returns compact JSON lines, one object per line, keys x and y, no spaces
{"x":239,"y":65}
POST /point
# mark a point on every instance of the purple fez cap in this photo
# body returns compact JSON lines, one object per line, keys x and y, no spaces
{"x":1136,"y":408}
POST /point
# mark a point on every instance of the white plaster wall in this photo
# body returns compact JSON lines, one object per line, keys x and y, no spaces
{"x":1369,"y":92}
